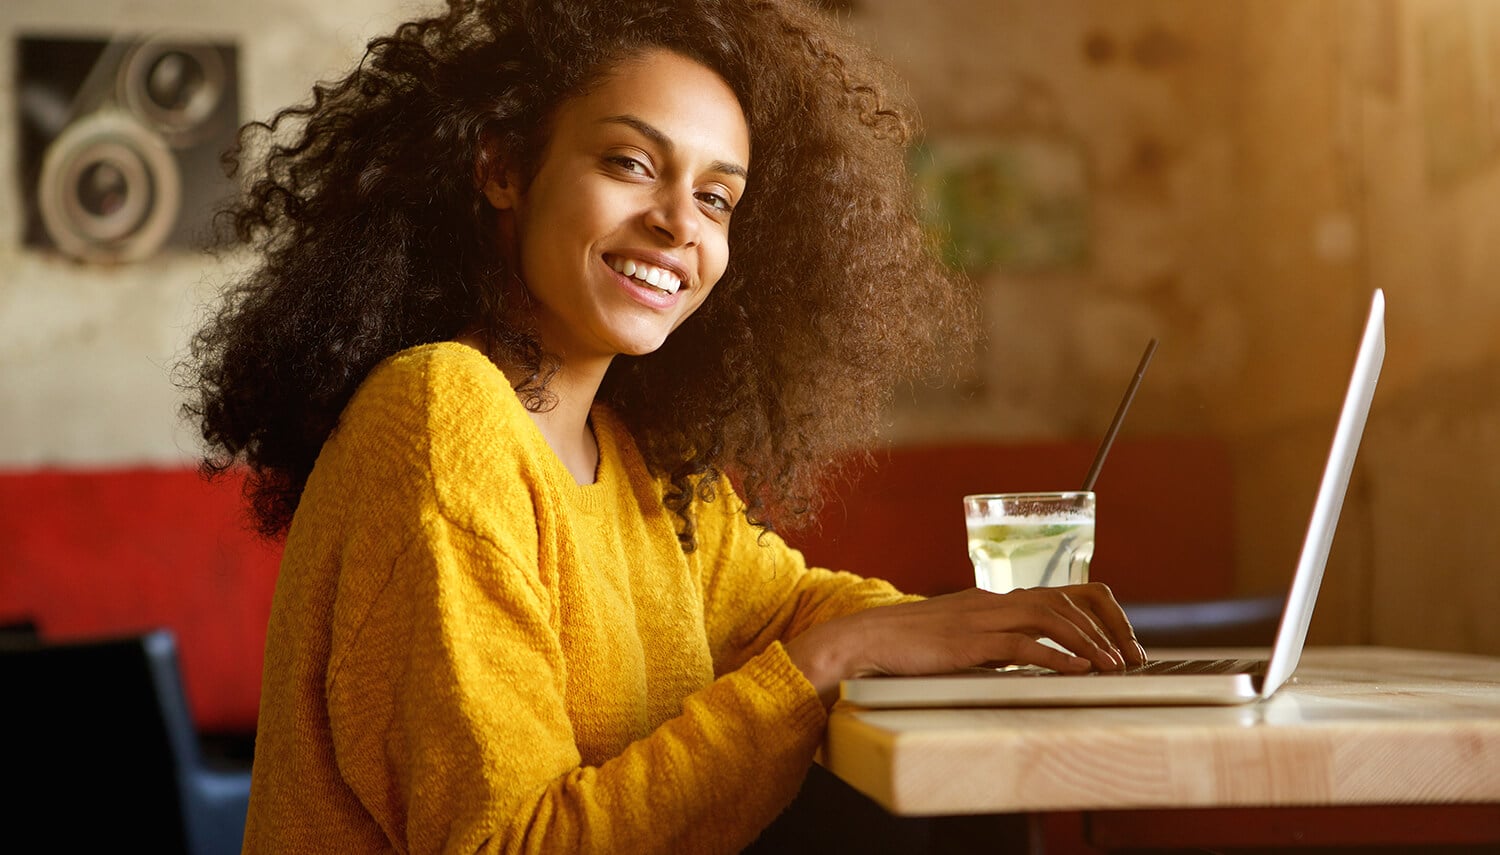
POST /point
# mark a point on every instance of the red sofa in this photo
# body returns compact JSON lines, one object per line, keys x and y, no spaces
{"x":1165,"y":515}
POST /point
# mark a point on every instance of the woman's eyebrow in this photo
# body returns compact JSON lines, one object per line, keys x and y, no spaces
{"x":653,"y":133}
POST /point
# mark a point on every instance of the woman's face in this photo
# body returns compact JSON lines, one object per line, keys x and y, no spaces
{"x":624,"y":229}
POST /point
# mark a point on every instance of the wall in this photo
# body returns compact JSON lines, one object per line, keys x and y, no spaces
{"x":1430,"y":144}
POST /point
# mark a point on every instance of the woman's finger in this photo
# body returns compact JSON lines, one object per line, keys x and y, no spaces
{"x":1037,"y":612}
{"x":1107,"y":610}
{"x":1074,"y":630}
{"x":1047,"y":612}
{"x":1076,"y":612}
{"x":1093,"y":609}
{"x":1023,"y":650}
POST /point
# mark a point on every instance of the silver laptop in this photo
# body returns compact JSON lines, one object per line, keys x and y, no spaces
{"x":1185,"y":682}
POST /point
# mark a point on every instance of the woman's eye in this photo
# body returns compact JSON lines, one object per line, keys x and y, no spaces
{"x":627,"y":163}
{"x":716,"y":201}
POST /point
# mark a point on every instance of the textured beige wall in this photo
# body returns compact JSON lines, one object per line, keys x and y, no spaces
{"x":1430,"y":145}
{"x":1152,"y":108}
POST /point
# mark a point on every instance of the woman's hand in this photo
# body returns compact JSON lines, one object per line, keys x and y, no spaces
{"x":971,"y":628}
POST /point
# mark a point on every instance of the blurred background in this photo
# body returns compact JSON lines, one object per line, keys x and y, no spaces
{"x":1233,"y":178}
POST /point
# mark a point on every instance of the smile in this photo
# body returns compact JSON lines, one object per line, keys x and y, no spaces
{"x":662,"y":280}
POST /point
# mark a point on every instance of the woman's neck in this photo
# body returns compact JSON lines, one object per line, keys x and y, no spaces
{"x":565,"y":425}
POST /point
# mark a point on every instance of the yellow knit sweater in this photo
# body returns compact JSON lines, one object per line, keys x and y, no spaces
{"x":469,"y":651}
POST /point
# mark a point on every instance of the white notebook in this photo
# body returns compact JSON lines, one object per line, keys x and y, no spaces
{"x":1175,"y":683}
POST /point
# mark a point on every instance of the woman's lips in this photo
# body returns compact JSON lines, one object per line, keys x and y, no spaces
{"x":651,"y":275}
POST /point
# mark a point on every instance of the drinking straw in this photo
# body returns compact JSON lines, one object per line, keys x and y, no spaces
{"x":1114,"y":426}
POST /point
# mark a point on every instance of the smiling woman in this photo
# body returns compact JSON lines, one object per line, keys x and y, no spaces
{"x":641,"y":174}
{"x":533,"y":281}
{"x":623,"y":230}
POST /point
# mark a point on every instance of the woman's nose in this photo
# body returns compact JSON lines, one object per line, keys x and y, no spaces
{"x":674,"y":216}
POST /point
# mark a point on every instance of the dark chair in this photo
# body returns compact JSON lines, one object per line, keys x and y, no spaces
{"x":97,"y":734}
{"x":19,"y":631}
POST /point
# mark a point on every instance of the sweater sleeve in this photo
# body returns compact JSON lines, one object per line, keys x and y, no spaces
{"x":452,"y":678}
{"x":759,"y":591}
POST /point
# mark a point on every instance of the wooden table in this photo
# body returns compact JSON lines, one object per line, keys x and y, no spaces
{"x":1356,"y":727}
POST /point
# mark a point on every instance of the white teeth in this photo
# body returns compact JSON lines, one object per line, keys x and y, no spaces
{"x":662,"y":280}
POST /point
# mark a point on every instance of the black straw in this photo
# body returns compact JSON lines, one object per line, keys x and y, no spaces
{"x":1114,"y":426}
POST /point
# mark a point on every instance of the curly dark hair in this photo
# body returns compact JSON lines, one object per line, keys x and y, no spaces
{"x":372,"y":235}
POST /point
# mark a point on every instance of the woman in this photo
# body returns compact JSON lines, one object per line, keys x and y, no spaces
{"x":500,"y":353}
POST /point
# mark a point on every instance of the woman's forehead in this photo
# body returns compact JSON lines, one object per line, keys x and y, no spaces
{"x":684,"y":100}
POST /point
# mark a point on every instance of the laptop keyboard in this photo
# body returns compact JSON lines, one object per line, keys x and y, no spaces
{"x":1199,"y":666}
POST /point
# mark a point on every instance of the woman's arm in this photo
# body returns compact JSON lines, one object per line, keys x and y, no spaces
{"x":758,"y":591}
{"x":837,"y":625}
{"x":449,"y":714}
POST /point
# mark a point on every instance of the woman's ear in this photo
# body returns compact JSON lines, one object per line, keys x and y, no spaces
{"x":495,"y":176}
{"x":500,"y":190}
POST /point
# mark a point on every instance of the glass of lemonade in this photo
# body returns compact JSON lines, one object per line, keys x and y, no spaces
{"x":1030,"y":540}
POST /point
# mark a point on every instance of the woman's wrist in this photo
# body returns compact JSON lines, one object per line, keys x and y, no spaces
{"x":820,"y":655}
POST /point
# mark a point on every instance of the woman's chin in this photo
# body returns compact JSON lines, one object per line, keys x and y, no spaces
{"x":639,"y":342}
{"x":642,"y":348}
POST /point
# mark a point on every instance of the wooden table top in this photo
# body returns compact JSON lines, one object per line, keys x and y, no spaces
{"x":1356,"y":725}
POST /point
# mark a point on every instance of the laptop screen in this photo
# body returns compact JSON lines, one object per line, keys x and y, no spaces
{"x":1325,"y":515}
